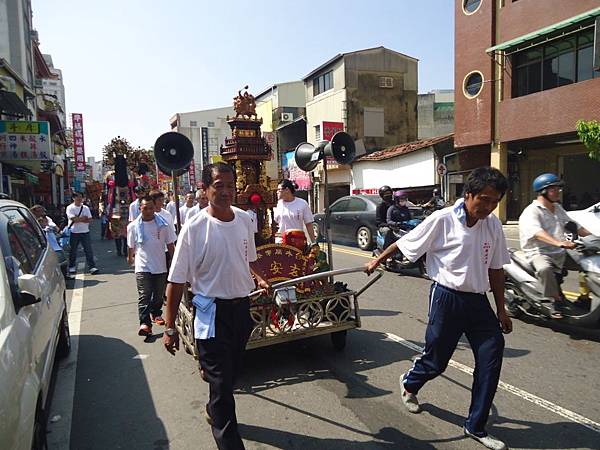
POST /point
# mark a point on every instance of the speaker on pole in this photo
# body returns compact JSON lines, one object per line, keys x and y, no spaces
{"x":173,"y":152}
{"x":341,"y":148}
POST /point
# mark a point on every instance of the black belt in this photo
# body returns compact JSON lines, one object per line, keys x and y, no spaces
{"x":230,"y":301}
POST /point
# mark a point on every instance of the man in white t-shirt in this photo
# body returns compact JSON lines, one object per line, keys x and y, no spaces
{"x":215,"y":252}
{"x":466,"y":250}
{"x":147,"y":237}
{"x":171,"y":203}
{"x":134,"y":207}
{"x":291,"y":212}
{"x":159,"y":202}
{"x":187,"y":205}
{"x":201,"y":203}
{"x":80,"y":216}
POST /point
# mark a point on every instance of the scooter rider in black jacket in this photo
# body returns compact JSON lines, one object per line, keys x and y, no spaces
{"x":398,"y":213}
{"x":386,"y":194}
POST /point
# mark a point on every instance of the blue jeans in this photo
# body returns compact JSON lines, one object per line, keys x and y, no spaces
{"x":86,"y":243}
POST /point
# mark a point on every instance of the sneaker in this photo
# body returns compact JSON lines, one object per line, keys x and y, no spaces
{"x":145,"y":330}
{"x":94,"y":270}
{"x":410,"y":400}
{"x":488,"y":441}
{"x":72,"y":270}
{"x":158,"y":320}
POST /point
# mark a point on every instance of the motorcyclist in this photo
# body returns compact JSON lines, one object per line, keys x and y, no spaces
{"x":436,"y":202}
{"x":398,"y":213}
{"x":385,"y":192}
{"x":542,"y":237}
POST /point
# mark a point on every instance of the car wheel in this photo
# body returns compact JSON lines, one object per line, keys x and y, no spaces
{"x":364,"y":238}
{"x":64,"y":336}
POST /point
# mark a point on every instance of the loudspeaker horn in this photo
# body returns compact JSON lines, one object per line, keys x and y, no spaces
{"x":306,"y":156}
{"x":173,"y":152}
{"x":341,"y":148}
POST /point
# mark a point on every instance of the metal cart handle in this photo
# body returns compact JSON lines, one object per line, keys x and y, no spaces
{"x":316,"y":276}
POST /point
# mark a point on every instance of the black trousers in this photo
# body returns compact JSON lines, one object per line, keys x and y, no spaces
{"x":121,"y":244}
{"x":151,"y":290}
{"x":220,"y":359}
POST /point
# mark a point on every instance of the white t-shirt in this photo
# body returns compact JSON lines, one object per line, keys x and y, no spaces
{"x":171,"y":208}
{"x":192,"y":211}
{"x":134,"y":210}
{"x":72,"y":212}
{"x":458,"y":257}
{"x":253,"y":218}
{"x":293,"y":215}
{"x":183,"y":210}
{"x":150,"y":254}
{"x":214,"y":255}
{"x":536,"y":217}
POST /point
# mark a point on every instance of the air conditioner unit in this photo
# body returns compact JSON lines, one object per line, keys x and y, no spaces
{"x":287,"y":117}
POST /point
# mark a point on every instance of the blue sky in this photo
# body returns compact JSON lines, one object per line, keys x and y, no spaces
{"x":129,"y":65}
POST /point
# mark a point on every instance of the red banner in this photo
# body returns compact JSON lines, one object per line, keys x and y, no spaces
{"x":330,"y":128}
{"x":78,"y":146}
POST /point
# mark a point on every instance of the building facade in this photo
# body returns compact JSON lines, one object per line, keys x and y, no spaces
{"x":207,"y":130}
{"x":372,"y":95}
{"x":524,"y":75}
{"x":435,"y":111}
{"x":280,"y":106}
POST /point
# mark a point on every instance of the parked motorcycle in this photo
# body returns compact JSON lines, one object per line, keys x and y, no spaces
{"x":523,"y":294}
{"x":398,"y":262}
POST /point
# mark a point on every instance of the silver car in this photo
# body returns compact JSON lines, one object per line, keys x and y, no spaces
{"x":33,"y":327}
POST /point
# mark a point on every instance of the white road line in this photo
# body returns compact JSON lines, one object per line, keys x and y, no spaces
{"x":64,"y":390}
{"x":563,"y":412}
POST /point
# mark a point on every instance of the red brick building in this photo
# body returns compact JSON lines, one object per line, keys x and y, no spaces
{"x":525,"y":72}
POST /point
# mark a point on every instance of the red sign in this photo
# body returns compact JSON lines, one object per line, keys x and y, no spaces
{"x":192,"y":173}
{"x":78,"y":146}
{"x":365,"y":191}
{"x":330,"y":128}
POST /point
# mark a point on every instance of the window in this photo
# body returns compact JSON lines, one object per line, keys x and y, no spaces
{"x":340,"y":206}
{"x":556,"y":63}
{"x":25,"y":240}
{"x":210,"y":124}
{"x":323,"y":83}
{"x":386,"y":82}
{"x":356,"y":205}
{"x":470,"y":6}
{"x":473,"y":84}
{"x":318,"y":133}
{"x":193,"y":123}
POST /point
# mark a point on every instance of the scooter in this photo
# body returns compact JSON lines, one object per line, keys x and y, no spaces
{"x":398,"y":262}
{"x":523,"y":294}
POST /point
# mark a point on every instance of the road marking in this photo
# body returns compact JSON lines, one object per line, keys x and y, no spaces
{"x":64,"y":390}
{"x":563,"y":412}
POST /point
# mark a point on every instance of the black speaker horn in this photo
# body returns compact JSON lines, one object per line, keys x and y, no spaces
{"x":173,"y":152}
{"x":341,"y":148}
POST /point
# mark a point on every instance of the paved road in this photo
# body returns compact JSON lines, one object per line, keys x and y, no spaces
{"x":119,"y":391}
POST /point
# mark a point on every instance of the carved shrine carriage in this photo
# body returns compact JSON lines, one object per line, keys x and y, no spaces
{"x":306,"y":300}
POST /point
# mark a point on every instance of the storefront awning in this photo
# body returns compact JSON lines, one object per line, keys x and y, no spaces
{"x":12,"y":105}
{"x":545,"y":31}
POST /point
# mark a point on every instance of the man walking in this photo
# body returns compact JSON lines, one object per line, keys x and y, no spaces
{"x":80,"y":216}
{"x":201,"y":203}
{"x":147,"y":237}
{"x":216,"y":253}
{"x":134,"y":207}
{"x":466,"y":250}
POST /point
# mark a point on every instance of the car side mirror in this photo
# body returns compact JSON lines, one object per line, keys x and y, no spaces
{"x":29,"y":289}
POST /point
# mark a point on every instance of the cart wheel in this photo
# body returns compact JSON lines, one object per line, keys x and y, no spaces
{"x":338,"y":339}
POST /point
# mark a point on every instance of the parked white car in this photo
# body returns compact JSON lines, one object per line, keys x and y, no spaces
{"x":33,"y":327}
{"x":588,"y":218}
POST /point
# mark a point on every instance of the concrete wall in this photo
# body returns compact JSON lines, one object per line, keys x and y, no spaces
{"x":435,"y":114}
{"x":363,"y":72}
{"x":411,"y":170}
{"x":4,"y":40}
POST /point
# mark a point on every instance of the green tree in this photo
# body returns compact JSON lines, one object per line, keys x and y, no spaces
{"x":589,"y":134}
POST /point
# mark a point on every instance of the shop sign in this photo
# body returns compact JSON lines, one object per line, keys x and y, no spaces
{"x":365,"y":191}
{"x":78,"y":145}
{"x":24,"y":140}
{"x":204,"y":132}
{"x":328,"y":130}
{"x":192,"y":173}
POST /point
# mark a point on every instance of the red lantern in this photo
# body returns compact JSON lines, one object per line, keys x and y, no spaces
{"x":255,"y":199}
{"x":111,"y":183}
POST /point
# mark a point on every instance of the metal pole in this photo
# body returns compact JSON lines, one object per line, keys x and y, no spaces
{"x":327,"y":216}
{"x":176,"y":194}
